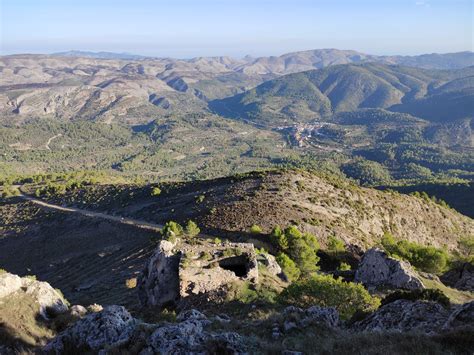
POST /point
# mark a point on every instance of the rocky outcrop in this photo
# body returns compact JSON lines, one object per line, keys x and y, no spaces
{"x":378,"y":269}
{"x":461,"y":277}
{"x":48,"y":300}
{"x":315,"y":314}
{"x":114,"y":329}
{"x":111,"y":327}
{"x":189,"y":337}
{"x":270,"y":263}
{"x":176,"y":272}
{"x":463,"y":315}
{"x":158,"y":284}
{"x":405,"y":316}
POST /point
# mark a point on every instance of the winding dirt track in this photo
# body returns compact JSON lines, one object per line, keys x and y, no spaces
{"x":130,"y":221}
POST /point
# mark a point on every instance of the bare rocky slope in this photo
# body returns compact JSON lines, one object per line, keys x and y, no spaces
{"x":324,"y":206}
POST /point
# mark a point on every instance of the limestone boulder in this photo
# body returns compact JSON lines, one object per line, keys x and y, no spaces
{"x":378,"y":269}
{"x":112,"y":327}
{"x":405,"y":316}
{"x":48,"y":300}
{"x":462,"y":315}
{"x":460,"y":277}
{"x":295,"y":317}
{"x":189,"y":336}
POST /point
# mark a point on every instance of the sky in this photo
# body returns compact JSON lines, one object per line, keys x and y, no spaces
{"x":191,"y":28}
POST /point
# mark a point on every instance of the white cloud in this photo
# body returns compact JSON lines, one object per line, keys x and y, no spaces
{"x":423,"y":3}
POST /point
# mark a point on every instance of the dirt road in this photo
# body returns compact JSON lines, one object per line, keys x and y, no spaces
{"x":130,"y":221}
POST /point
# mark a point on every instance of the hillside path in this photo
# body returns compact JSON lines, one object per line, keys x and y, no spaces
{"x":124,"y":220}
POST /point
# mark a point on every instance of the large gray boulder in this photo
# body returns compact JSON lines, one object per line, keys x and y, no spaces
{"x":461,"y":277}
{"x":405,"y":316}
{"x":301,"y":318}
{"x":189,"y":337}
{"x":112,"y":327}
{"x":269,"y":261}
{"x":48,"y":300}
{"x":378,"y":269}
{"x":462,"y":315}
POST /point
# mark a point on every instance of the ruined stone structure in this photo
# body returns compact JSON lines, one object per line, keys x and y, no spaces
{"x":177,"y":271}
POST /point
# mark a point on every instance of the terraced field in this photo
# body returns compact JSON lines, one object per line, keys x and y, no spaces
{"x":88,"y":258}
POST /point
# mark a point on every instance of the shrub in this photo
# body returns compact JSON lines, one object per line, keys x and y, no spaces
{"x":302,"y":249}
{"x":325,"y":291}
{"x":191,"y":229}
{"x":131,"y":283}
{"x":171,"y":230}
{"x":278,"y":239}
{"x":415,"y":295}
{"x":288,"y":266}
{"x":336,"y":246}
{"x":344,"y":267}
{"x":429,"y":259}
{"x":155,"y":191}
{"x":255,"y":229}
{"x":466,"y":245}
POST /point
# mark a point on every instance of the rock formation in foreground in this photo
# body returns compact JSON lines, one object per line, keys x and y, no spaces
{"x":378,"y":269}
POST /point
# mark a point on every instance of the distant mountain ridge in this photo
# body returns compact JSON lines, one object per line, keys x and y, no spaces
{"x":120,"y":86}
{"x":303,"y":60}
{"x":98,"y":55}
{"x":435,"y":95}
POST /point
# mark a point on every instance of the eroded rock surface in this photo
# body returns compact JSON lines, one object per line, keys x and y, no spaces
{"x":405,"y":316}
{"x":111,"y":327}
{"x":378,"y":269}
{"x":461,"y":316}
{"x":158,"y":284}
{"x":315,"y":314}
{"x":461,"y":277}
{"x":189,"y":337}
{"x":48,"y":300}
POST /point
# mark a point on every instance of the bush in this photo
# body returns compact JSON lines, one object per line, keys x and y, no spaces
{"x":415,"y":295}
{"x":131,"y":283}
{"x":336,"y":246}
{"x":156,"y":191}
{"x":278,"y":239}
{"x":466,"y":245}
{"x":428,"y":259}
{"x":171,"y":230}
{"x":300,"y":247}
{"x":325,"y":291}
{"x":288,"y":266}
{"x":344,"y":267}
{"x":191,"y":229}
{"x":10,"y":191}
{"x":255,"y":229}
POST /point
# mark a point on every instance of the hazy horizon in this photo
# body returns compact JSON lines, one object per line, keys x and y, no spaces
{"x":186,"y":29}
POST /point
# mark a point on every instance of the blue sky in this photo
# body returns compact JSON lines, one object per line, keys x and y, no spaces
{"x":188,"y":28}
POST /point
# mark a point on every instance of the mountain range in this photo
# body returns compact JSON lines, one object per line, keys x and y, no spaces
{"x":106,"y":86}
